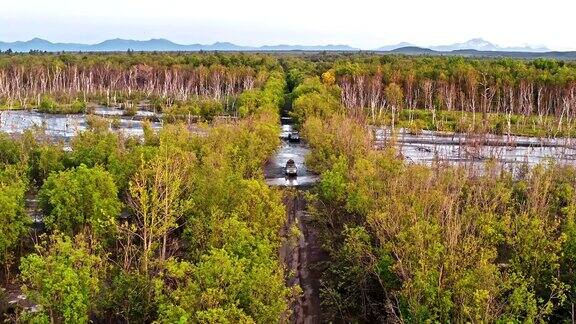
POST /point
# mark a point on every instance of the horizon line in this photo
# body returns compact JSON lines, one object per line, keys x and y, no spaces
{"x":525,"y":47}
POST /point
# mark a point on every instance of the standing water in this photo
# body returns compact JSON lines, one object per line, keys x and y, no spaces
{"x":430,"y":146}
{"x":65,"y":126}
{"x":296,"y":151}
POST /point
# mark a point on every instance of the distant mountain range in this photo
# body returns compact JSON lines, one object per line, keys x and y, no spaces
{"x":476,"y":47}
{"x":161,"y":45}
{"x":477,"y":44}
{"x":481,"y":45}
{"x":388,"y":48}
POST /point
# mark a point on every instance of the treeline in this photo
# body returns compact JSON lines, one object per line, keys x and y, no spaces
{"x":115,"y":78}
{"x":454,"y":94}
{"x":177,"y":228}
{"x":540,"y":87}
{"x":511,"y":96}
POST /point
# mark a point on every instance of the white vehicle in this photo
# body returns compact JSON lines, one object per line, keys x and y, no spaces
{"x":291,"y":170}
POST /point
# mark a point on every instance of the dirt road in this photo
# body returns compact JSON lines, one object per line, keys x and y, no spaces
{"x":302,"y":256}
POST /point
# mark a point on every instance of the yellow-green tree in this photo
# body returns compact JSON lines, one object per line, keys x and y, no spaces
{"x":81,"y":199}
{"x":156,"y":198}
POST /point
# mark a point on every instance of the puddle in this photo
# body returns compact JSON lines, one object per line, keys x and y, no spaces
{"x":274,"y":170}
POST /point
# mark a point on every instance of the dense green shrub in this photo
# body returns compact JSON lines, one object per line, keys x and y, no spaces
{"x":49,"y":105}
{"x":63,"y":279}
{"x":80,"y":198}
{"x":14,"y":220}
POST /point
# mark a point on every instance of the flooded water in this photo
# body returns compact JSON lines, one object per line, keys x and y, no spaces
{"x":460,"y":148}
{"x":274,"y":170}
{"x":429,"y":147}
{"x":107,"y":111}
{"x":65,"y":126}
{"x":426,"y":147}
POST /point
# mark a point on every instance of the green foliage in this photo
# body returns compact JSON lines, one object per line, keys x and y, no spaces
{"x":49,"y":105}
{"x":14,"y":220}
{"x":77,"y":106}
{"x":97,"y":123}
{"x":335,"y":138}
{"x":231,"y":272}
{"x":128,"y":297}
{"x":314,"y":104}
{"x":269,"y":99}
{"x":11,"y":152}
{"x":349,"y":280}
{"x":221,"y":186}
{"x":245,"y":147}
{"x":204,"y":108}
{"x":62,"y":278}
{"x":293,"y":78}
{"x":251,"y":201}
{"x":158,"y":197}
{"x":96,"y":147}
{"x":150,"y":137}
{"x":312,"y":98}
{"x":226,"y":288}
{"x":80,"y":198}
{"x":106,"y":149}
{"x":332,"y":186}
{"x":46,"y":159}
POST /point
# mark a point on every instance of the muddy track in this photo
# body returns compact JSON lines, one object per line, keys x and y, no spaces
{"x":302,"y":255}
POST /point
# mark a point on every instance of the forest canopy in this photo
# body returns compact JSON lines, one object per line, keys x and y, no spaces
{"x":180,"y":224}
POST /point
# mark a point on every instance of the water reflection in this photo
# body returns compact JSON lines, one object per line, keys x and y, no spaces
{"x":461,"y":148}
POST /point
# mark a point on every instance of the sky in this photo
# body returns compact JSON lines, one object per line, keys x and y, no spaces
{"x":360,"y":23}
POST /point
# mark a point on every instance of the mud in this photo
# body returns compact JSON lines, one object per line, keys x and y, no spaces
{"x":302,"y":254}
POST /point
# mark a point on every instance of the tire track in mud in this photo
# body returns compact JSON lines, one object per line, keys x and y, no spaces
{"x":302,"y":255}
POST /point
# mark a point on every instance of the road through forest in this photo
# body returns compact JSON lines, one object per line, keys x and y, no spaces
{"x":301,"y":252}
{"x":303,"y":256}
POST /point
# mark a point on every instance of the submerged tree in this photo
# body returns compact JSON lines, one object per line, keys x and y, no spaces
{"x":394,"y":98}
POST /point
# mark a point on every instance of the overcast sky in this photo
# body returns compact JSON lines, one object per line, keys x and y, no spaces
{"x":360,"y":23}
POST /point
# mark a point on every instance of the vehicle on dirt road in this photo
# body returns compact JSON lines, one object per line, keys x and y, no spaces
{"x":291,"y":170}
{"x":294,"y":137}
